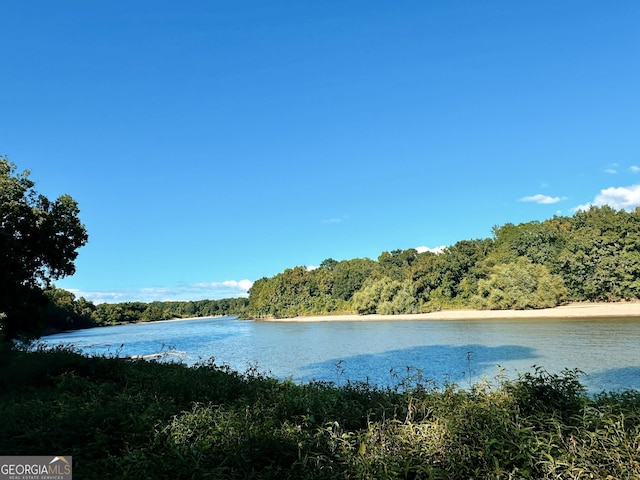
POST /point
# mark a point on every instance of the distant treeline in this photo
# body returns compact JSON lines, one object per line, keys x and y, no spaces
{"x":63,"y":311}
{"x":593,"y":255}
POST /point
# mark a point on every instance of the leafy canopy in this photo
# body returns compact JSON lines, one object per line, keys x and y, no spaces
{"x":39,"y":239}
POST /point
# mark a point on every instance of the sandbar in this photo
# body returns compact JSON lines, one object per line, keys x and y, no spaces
{"x":570,"y":311}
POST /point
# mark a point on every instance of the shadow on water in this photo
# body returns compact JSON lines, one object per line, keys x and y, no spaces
{"x":440,"y":364}
{"x":613,"y":380}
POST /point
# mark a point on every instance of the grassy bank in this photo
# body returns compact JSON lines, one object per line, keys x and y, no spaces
{"x":147,"y":420}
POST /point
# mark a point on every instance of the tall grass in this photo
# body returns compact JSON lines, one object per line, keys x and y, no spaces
{"x":148,"y":420}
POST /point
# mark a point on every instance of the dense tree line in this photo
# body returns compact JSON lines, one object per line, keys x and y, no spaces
{"x":127,"y":312}
{"x":63,"y":311}
{"x":593,"y":255}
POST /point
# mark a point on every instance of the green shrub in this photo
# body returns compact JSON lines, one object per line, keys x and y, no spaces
{"x":147,"y":420}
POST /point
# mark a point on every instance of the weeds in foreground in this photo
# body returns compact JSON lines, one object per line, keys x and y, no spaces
{"x":148,"y":420}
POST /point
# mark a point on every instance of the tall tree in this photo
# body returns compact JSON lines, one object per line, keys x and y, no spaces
{"x":39,"y":239}
{"x":396,"y":264}
{"x":350,"y":275}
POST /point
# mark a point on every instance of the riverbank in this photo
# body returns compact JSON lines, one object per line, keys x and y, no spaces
{"x":120,"y":418}
{"x":573,"y":310}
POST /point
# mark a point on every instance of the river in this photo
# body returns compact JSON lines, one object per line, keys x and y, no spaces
{"x":385,"y":352}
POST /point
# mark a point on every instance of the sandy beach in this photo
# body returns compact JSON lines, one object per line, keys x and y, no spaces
{"x":574,"y":310}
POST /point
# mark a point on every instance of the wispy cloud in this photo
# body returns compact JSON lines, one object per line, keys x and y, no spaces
{"x":543,"y":199}
{"x":231,"y":285}
{"x":334,"y":220}
{"x":181,"y":292}
{"x":620,"y":198}
{"x":634,"y":169}
{"x":612,"y":169}
{"x":435,"y":250}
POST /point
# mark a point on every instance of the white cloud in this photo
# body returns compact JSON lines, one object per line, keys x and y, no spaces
{"x":242,"y":285}
{"x":634,"y":169}
{"x":543,"y":199}
{"x":612,"y":169}
{"x":181,"y":292}
{"x":435,"y":250}
{"x":620,"y":198}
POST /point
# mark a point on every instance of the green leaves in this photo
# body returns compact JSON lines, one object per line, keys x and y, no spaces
{"x":302,"y":291}
{"x":139,"y":419}
{"x":39,"y":240}
{"x":594,"y":255}
{"x":386,"y":297}
{"x":520,"y":285}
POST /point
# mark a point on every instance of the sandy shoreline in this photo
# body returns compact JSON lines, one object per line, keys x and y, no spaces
{"x":575,"y":310}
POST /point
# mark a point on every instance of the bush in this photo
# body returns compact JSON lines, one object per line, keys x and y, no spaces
{"x":520,"y":285}
{"x":146,"y":420}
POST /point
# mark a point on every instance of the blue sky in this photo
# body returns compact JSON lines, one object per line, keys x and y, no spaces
{"x":212,"y":143}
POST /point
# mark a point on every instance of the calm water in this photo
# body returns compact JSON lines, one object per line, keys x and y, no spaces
{"x":458,"y":351}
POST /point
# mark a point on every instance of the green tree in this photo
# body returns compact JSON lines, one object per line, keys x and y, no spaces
{"x":386,"y":297}
{"x":520,"y":285}
{"x":328,"y":263}
{"x":449,"y":278}
{"x":64,"y":312}
{"x":350,"y":275}
{"x":541,"y":242}
{"x":396,"y":264}
{"x":260,"y":295}
{"x":366,"y":300}
{"x":287,"y":294}
{"x":39,"y":239}
{"x":601,"y":258}
{"x":400,"y":299}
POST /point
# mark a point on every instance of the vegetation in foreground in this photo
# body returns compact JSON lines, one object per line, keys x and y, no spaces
{"x":148,"y":420}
